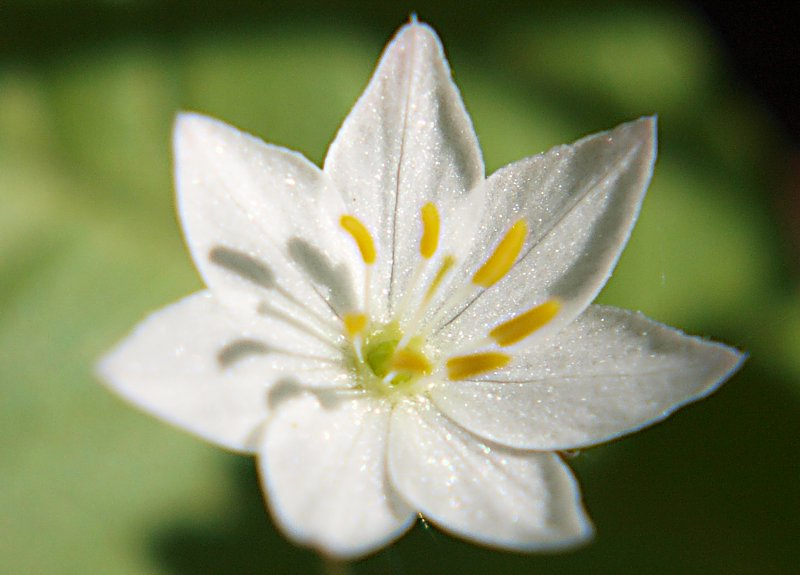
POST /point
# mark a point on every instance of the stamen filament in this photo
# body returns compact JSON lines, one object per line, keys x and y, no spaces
{"x":357,"y":346}
{"x":463,"y":293}
{"x":306,"y":309}
{"x":466,"y":366}
{"x":413,"y":326}
{"x":321,"y":331}
{"x":367,"y":284}
{"x":504,"y":256}
{"x":520,"y":327}
{"x":402,"y":310}
{"x":447,"y":264}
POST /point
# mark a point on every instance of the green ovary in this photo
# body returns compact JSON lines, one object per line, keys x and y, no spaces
{"x":381,"y":357}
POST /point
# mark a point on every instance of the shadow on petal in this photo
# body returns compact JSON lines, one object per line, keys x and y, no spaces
{"x":321,"y":271}
{"x":243,"y":265}
{"x":240,"y":350}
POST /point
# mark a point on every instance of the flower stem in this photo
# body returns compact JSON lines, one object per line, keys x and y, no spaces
{"x":332,"y":566}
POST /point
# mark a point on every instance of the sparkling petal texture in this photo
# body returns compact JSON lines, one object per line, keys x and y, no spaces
{"x":323,"y":464}
{"x":196,"y":366}
{"x":491,"y":494}
{"x":608,"y":373}
{"x":580,"y":203}
{"x":262,"y":225}
{"x":322,"y":346}
{"x":407,"y":141}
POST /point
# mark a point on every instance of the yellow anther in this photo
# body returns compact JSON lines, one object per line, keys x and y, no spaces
{"x":520,"y":327}
{"x":447,"y":263}
{"x":503,"y":257}
{"x":465,"y":366}
{"x":360,"y":234}
{"x":430,"y":231}
{"x":410,"y":360}
{"x":354,"y":323}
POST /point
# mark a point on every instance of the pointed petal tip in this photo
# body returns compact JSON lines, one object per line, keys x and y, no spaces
{"x":413,"y":23}
{"x":186,"y":119}
{"x":640,"y":136}
{"x":187,"y":124}
{"x":416,"y":29}
{"x":644,"y":129}
{"x":580,"y":534}
{"x":103,"y":373}
{"x":107,"y":370}
{"x":649,"y":127}
{"x":729,"y":361}
{"x":722,"y":362}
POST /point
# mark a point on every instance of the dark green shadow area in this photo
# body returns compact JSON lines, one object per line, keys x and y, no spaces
{"x":711,"y":491}
{"x":90,"y":244}
{"x":244,"y":541}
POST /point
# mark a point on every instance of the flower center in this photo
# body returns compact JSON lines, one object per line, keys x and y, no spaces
{"x":384,"y":361}
{"x":387,"y":361}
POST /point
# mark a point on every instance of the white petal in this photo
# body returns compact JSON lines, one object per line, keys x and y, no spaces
{"x":490,"y":494}
{"x":580,"y":203}
{"x":194,"y":366}
{"x":262,"y":224}
{"x":323,"y":467}
{"x":609,"y":373}
{"x":407,"y":141}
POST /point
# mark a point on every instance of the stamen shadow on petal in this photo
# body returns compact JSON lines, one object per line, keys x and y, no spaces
{"x":287,"y":388}
{"x":319,"y":268}
{"x":264,"y":308}
{"x":284,"y":389}
{"x":239,"y":350}
{"x":243,"y":265}
{"x":331,"y":398}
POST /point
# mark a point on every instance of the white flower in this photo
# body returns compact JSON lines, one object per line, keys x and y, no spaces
{"x":395,"y":334}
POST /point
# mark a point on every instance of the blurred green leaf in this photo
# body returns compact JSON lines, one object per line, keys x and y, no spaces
{"x":90,"y":244}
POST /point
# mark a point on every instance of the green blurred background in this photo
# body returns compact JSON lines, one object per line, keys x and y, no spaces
{"x":89,"y":244}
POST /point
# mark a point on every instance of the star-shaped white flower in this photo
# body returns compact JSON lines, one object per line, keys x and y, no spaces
{"x":396,"y":334}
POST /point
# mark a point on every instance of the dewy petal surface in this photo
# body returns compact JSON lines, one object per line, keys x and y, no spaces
{"x":580,"y":202}
{"x":327,"y":323}
{"x":196,"y":366}
{"x":494,"y":495}
{"x":261,"y":223}
{"x":407,"y":141}
{"x":323,"y":465}
{"x":609,"y":373}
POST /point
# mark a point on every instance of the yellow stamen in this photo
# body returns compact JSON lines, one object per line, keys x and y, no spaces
{"x":360,"y":234}
{"x":503,"y":257}
{"x":465,"y":366}
{"x":430,"y":231}
{"x":447,"y":263}
{"x":410,"y":360}
{"x":354,"y":323}
{"x":520,"y":327}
